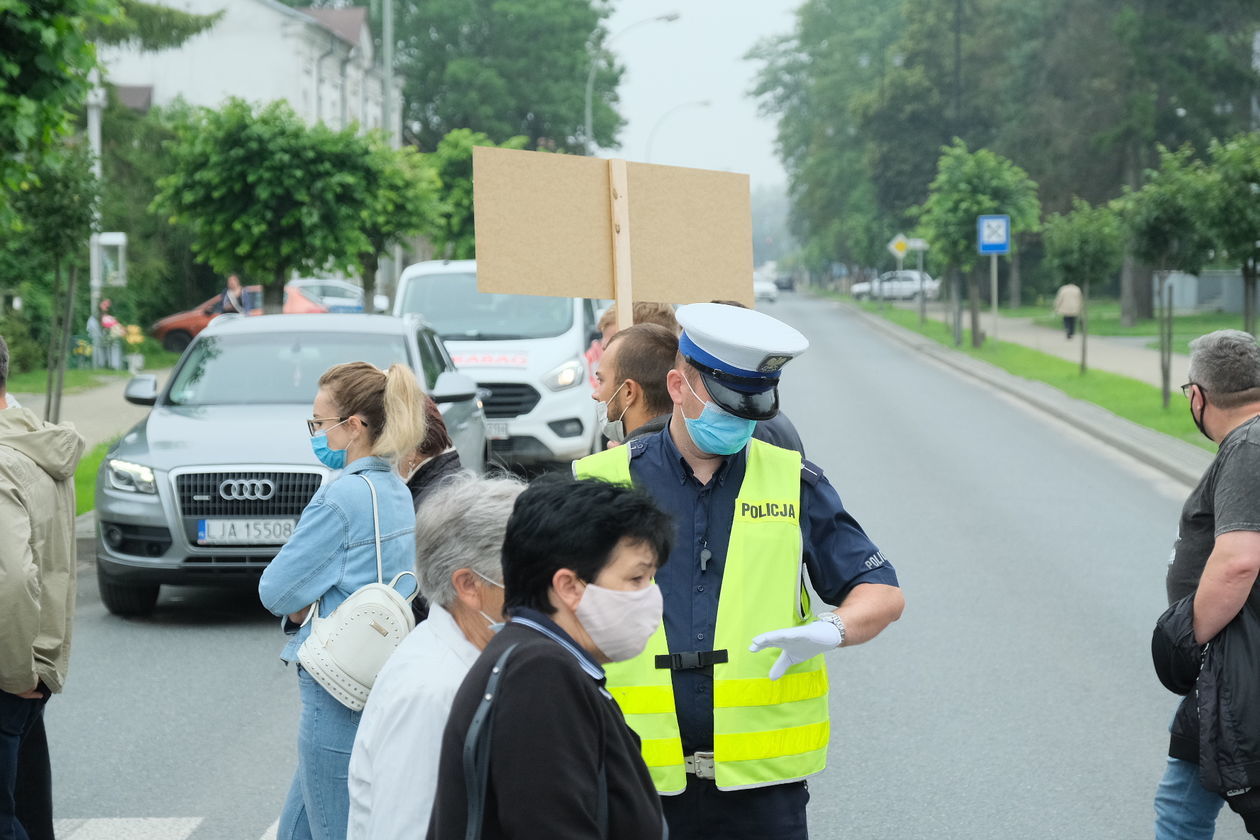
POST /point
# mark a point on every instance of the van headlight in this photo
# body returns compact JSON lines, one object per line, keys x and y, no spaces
{"x":566,"y":376}
{"x":135,"y":478}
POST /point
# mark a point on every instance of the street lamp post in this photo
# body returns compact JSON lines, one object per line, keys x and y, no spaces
{"x":699,"y":103}
{"x":588,"y":140}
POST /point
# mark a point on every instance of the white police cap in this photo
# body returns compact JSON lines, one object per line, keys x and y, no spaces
{"x":740,"y":354}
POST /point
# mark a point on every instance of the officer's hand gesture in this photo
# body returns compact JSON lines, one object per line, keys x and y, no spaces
{"x":798,"y":644}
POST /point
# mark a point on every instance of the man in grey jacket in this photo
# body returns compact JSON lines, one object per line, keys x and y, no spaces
{"x":37,"y":573}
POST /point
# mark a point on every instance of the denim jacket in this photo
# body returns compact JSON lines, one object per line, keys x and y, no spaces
{"x":332,"y":551}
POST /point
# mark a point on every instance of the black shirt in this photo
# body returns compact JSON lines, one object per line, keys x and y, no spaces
{"x":1227,"y":499}
{"x":553,"y":724}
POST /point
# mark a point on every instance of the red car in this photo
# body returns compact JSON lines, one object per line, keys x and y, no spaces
{"x":177,"y":331}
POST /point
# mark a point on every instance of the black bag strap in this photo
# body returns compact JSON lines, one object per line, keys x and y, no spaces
{"x":477,"y":751}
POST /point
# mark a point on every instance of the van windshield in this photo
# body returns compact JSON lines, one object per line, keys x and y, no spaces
{"x":454,"y":307}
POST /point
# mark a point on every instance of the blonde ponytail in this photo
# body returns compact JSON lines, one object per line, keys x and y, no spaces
{"x":404,"y":414}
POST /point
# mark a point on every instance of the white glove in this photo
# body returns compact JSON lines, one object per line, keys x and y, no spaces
{"x":797,"y":644}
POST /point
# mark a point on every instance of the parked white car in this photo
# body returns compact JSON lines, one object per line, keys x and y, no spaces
{"x":765,"y":290}
{"x":898,"y":285}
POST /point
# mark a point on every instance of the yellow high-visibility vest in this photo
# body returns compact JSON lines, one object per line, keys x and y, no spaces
{"x":764,"y":732}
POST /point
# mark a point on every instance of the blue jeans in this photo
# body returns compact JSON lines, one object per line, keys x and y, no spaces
{"x":1184,"y":808}
{"x":318,"y":804}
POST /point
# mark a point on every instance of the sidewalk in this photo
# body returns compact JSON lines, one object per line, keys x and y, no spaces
{"x":1126,"y":356}
{"x":1173,"y":457}
{"x":100,"y":414}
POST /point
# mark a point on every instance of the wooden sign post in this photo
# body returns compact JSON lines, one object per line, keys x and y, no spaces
{"x":560,"y":225}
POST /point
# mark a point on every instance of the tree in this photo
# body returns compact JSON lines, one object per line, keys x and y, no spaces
{"x":455,"y":236}
{"x":402,"y":199}
{"x":57,"y":212}
{"x":45,"y":57}
{"x":1233,"y":210}
{"x":149,"y":26}
{"x":967,"y":185}
{"x":264,"y":194}
{"x":506,"y":68}
{"x":1165,"y":221}
{"x":1081,"y":247}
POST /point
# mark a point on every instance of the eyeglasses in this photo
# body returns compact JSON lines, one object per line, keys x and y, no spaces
{"x":314,"y":423}
{"x":1185,"y":389}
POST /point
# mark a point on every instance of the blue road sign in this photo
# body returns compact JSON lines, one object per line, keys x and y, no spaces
{"x":993,"y":234}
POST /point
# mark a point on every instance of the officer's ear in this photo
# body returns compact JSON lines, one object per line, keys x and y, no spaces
{"x":677,"y":386}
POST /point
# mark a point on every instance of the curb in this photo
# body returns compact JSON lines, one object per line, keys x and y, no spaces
{"x":1176,"y":459}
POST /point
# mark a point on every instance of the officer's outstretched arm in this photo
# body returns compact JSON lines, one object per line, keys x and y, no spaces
{"x":867,"y":609}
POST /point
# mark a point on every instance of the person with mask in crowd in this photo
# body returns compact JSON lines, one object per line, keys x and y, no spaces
{"x":555,"y":756}
{"x":730,"y":697}
{"x":365,"y":419}
{"x":37,"y":578}
{"x":631,"y":395}
{"x":434,"y":460}
{"x":393,"y":769}
{"x":1216,"y":558}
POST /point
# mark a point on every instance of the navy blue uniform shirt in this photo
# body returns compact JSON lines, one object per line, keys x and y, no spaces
{"x":837,"y":554}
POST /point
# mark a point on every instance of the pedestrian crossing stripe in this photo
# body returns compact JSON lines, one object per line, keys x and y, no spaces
{"x":136,"y":828}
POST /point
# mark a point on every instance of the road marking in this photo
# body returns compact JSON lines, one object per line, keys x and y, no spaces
{"x":113,"y":828}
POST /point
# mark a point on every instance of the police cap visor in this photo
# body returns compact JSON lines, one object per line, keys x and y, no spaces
{"x":758,"y":406}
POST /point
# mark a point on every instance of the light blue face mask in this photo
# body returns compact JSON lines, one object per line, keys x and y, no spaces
{"x":716,"y":431}
{"x":334,"y":459}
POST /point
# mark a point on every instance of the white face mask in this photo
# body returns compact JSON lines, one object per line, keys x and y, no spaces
{"x":614,"y":430}
{"x":495,"y":626}
{"x":620,"y":621}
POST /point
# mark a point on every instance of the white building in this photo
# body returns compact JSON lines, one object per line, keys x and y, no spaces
{"x":321,"y":61}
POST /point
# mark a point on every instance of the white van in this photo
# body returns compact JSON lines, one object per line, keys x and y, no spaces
{"x":528,"y":355}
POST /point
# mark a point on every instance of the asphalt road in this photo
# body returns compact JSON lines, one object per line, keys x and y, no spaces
{"x":1014,"y":699}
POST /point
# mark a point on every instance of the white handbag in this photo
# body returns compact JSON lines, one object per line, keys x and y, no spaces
{"x":347,"y":648}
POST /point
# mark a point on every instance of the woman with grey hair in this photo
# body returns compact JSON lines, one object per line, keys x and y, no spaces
{"x":393,"y":768}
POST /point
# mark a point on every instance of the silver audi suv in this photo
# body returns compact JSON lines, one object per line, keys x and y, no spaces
{"x":206,"y":489}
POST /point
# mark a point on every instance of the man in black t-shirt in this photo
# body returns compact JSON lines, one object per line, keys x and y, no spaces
{"x":1217,"y":557}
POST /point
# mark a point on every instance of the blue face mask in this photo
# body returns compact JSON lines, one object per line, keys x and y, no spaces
{"x":716,"y":431}
{"x":334,"y":459}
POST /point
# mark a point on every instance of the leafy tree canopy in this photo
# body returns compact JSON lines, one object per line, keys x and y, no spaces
{"x":1084,"y":245}
{"x":1166,"y":218}
{"x":454,"y":236}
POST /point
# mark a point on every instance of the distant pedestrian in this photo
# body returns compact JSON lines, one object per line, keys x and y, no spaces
{"x":1068,"y":302}
{"x":364,"y":419}
{"x":579,"y":558}
{"x":234,"y":296}
{"x":394,"y":766}
{"x":37,"y":584}
{"x":1216,"y":557}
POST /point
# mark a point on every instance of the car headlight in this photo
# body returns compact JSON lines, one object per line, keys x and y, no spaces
{"x":124,"y":475}
{"x":565,"y":376}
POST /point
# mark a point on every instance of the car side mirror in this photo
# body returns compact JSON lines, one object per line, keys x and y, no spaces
{"x":142,"y":390}
{"x":453,"y":387}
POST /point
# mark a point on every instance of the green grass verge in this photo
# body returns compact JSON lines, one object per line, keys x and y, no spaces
{"x":1122,"y":396}
{"x":35,"y":381}
{"x":85,"y":478}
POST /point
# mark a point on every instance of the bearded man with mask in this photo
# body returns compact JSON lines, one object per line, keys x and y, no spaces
{"x":730,"y":696}
{"x":631,"y":394}
{"x":1216,"y":557}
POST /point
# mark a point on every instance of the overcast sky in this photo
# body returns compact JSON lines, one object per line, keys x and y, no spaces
{"x":699,"y":57}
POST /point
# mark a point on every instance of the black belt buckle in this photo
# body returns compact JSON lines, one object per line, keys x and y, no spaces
{"x":691,"y":660}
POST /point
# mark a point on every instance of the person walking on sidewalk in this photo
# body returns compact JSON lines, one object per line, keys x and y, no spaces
{"x":37,"y":577}
{"x":364,"y":419}
{"x":1068,"y":302}
{"x":1216,"y":557}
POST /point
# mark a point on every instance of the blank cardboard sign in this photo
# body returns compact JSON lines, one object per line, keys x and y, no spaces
{"x":544,"y":227}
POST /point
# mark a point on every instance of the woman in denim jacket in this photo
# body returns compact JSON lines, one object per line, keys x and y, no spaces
{"x":364,"y":420}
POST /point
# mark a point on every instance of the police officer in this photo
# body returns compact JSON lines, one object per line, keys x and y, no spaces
{"x":730,"y":696}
